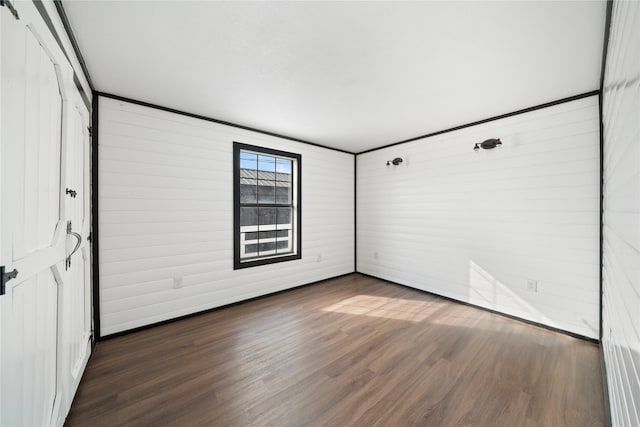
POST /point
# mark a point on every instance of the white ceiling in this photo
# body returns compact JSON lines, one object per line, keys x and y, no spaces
{"x":351,"y":75}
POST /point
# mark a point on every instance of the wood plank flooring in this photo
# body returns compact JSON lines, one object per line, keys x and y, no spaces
{"x":351,"y":351}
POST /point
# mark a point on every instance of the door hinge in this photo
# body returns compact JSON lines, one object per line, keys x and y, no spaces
{"x":89,"y":238}
{"x":5,"y":277}
{"x":90,"y":131}
{"x":72,"y":193}
{"x":12,"y":9}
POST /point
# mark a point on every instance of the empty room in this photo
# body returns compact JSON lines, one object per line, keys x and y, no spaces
{"x":319,"y":213}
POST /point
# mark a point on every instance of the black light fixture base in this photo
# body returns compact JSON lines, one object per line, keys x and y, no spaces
{"x":488,"y":144}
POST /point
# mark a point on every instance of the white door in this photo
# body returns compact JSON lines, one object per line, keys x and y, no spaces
{"x":35,"y":84}
{"x":75,"y":297}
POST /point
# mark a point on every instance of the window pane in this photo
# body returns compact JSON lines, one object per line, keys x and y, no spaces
{"x":248,"y":216}
{"x":266,"y":191}
{"x":284,"y":218}
{"x":251,"y":250}
{"x":283,"y":177}
{"x":250,"y":236}
{"x":248,"y":161}
{"x":283,"y":245}
{"x":269,"y":246}
{"x":283,"y":166}
{"x":267,"y":216}
{"x":282,"y":233}
{"x":266,"y":163}
{"x":283,"y":192}
{"x":267,"y":235}
{"x":248,"y":245}
{"x":248,"y":190}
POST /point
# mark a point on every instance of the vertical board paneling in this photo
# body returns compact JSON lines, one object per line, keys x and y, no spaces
{"x":475,"y":226}
{"x":31,"y":177}
{"x":621,"y":214}
{"x":77,"y":311}
{"x":41,"y":149}
{"x":166,"y":210}
{"x":34,"y":376}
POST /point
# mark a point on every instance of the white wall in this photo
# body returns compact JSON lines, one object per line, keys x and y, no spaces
{"x":166,"y":210}
{"x":621,"y":221}
{"x":475,"y":226}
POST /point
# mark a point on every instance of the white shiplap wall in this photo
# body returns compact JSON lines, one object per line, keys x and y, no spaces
{"x":166,"y":210}
{"x":475,"y":226}
{"x":621,"y":219}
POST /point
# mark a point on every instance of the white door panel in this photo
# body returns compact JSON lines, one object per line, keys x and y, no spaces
{"x":31,"y":380}
{"x":75,"y":312}
{"x":40,"y":212}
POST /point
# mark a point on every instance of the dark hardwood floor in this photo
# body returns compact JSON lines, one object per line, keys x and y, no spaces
{"x":352,"y":351}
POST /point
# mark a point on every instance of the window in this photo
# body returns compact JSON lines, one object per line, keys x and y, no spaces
{"x":266,"y":202}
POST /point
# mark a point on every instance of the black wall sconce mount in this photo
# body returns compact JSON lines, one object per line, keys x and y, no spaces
{"x":488,"y":144}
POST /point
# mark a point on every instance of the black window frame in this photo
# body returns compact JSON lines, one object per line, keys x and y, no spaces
{"x":238,"y":263}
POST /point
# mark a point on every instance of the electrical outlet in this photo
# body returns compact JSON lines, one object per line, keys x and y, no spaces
{"x":319,"y":258}
{"x":177,"y":282}
{"x":532,"y":285}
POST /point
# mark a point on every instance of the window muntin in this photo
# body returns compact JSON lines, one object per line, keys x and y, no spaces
{"x":266,"y":203}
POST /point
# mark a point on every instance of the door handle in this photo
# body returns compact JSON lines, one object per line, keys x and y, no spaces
{"x":75,"y":249}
